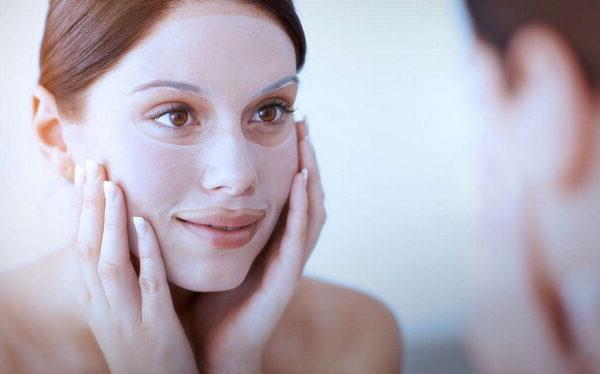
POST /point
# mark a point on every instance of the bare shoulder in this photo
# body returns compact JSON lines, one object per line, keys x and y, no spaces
{"x":328,"y":328}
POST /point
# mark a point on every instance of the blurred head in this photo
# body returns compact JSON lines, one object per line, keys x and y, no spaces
{"x":188,"y":104}
{"x":539,"y":63}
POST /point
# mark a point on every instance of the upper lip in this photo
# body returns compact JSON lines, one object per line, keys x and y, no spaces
{"x":222,"y":217}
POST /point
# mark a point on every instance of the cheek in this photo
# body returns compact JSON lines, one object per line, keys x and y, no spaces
{"x":149,"y":173}
{"x":276,"y":167}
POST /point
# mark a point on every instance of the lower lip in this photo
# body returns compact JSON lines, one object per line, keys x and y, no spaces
{"x":222,"y":239}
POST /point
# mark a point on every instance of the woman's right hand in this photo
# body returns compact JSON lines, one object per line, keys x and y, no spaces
{"x":132,"y":318}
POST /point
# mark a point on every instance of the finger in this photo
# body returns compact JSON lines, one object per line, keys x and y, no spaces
{"x":283,"y":270}
{"x":286,"y":267}
{"x":308,"y":160}
{"x":316,"y":204}
{"x":114,"y":266}
{"x":581,"y":299}
{"x":90,"y":231}
{"x":79,"y":179}
{"x":156,"y":297}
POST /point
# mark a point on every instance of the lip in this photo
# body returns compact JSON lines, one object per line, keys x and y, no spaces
{"x":222,"y":228}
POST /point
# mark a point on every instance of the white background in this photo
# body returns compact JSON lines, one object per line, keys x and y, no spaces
{"x":384,"y":89}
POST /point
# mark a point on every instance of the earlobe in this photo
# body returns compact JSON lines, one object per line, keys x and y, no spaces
{"x":49,"y":127}
{"x":551,"y":108}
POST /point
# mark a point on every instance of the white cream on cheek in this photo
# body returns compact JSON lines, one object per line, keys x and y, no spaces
{"x":233,"y":57}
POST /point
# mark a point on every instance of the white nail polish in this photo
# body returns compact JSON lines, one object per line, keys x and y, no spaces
{"x":110,"y":190}
{"x":140,"y":225}
{"x":79,"y":176}
{"x":91,"y":169}
{"x":304,"y":173}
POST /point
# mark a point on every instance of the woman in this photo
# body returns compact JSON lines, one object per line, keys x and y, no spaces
{"x":177,"y":116}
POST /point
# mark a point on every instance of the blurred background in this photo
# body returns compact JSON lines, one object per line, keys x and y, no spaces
{"x":385,"y":90}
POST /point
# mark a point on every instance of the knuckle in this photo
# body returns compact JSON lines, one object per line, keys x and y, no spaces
{"x":85,"y":251}
{"x":148,"y":285}
{"x":112,"y":224}
{"x":146,"y":255}
{"x":303,"y":231}
{"x":89,"y":202}
{"x":106,"y":270}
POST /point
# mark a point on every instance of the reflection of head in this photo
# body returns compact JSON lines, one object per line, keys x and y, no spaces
{"x":539,"y":71}
{"x":497,"y":21}
{"x":85,"y":38}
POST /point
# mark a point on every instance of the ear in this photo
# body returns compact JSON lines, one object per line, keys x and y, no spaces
{"x":49,"y":128}
{"x":549,"y":108}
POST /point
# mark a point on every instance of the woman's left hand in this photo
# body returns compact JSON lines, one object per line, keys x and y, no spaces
{"x":235,"y":326}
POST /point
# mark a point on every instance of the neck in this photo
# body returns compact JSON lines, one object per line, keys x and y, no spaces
{"x":182,"y":299}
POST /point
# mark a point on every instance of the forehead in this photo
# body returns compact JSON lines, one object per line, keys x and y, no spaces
{"x":216,"y":44}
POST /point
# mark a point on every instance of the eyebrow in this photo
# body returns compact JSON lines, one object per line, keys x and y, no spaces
{"x":187,"y":87}
{"x":280,"y":83}
{"x":180,"y":86}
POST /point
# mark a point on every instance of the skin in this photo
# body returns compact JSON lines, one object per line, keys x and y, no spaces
{"x":538,"y":308}
{"x":92,"y":307}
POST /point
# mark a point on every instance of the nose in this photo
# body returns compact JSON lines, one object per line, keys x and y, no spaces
{"x":229,"y":168}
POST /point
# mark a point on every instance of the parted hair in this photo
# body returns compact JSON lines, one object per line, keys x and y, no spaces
{"x":84,"y":39}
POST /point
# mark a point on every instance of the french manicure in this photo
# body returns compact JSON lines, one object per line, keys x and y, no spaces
{"x":110,"y":190}
{"x":140,"y":226}
{"x":92,"y":169}
{"x":79,"y":176}
{"x":304,"y":173}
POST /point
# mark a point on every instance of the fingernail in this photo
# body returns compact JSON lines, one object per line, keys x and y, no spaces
{"x":79,"y":176}
{"x":304,"y":173}
{"x":92,"y":169}
{"x":109,"y":190}
{"x":140,"y":225}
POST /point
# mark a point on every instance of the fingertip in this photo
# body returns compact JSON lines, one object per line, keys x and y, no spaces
{"x":301,"y":129}
{"x":304,"y":174}
{"x":299,"y":193}
{"x":140,"y":226}
{"x":79,"y":176}
{"x":110,"y":190}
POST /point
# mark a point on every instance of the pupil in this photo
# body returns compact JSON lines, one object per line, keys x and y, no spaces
{"x":268,"y":114}
{"x":179,"y":118}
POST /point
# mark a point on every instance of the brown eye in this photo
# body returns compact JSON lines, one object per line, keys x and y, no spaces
{"x":178,"y":117}
{"x":268,"y":114}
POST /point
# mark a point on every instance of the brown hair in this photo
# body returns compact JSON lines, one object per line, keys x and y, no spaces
{"x":496,"y":21}
{"x":83,"y":39}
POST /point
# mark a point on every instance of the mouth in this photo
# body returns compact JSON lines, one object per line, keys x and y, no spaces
{"x":222,"y":228}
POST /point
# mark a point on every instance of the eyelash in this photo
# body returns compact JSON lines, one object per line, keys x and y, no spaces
{"x":172,"y":108}
{"x":275,"y":102}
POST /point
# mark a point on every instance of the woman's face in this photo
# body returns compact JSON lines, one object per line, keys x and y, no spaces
{"x":195,"y":125}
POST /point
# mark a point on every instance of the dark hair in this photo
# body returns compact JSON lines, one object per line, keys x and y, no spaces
{"x":83,"y":39}
{"x":496,"y":21}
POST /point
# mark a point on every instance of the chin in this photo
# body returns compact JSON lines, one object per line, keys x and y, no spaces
{"x":210,"y":276}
